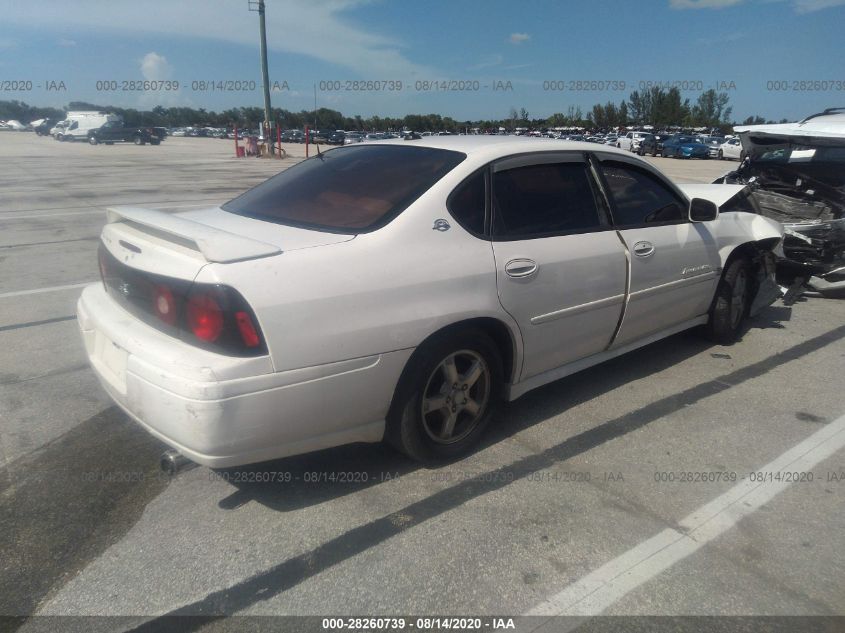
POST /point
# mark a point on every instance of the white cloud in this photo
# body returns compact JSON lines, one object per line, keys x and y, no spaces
{"x":155,"y":66}
{"x":488,"y":62}
{"x":800,"y":6}
{"x":66,"y":43}
{"x":808,"y":6}
{"x":702,"y":4}
{"x":518,"y":38}
{"x":316,"y":29}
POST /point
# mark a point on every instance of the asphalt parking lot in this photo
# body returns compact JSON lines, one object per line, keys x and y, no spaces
{"x":645,"y":486}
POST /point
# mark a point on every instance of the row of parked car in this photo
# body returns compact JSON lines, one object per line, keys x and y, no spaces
{"x":680,"y":145}
{"x":98,"y":127}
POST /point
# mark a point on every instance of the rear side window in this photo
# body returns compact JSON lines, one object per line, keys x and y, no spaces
{"x":640,"y":197}
{"x":466,"y":204}
{"x":543,"y":200}
{"x":347,"y":190}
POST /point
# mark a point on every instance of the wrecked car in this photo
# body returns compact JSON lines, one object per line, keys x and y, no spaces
{"x":399,"y":290}
{"x":796,"y":173}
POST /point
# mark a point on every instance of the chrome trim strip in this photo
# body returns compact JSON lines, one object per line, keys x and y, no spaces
{"x":573,"y":310}
{"x":672,"y":285}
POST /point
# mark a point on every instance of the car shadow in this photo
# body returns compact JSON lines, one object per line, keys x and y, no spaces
{"x":301,"y":481}
{"x":293,"y":571}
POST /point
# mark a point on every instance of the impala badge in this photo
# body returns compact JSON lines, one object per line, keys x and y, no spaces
{"x":441,"y":225}
{"x":694,"y":271}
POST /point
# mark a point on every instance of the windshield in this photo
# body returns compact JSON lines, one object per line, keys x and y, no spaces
{"x":348,"y":190}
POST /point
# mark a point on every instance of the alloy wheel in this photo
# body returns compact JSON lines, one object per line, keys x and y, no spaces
{"x":456,"y":397}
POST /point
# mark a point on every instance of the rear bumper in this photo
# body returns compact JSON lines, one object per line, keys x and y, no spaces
{"x":222,"y":411}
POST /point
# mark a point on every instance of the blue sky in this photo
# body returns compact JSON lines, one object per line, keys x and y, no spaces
{"x":741,"y":45}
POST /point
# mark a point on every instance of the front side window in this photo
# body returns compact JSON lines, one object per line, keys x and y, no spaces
{"x":640,"y":197}
{"x":543,"y":200}
{"x":347,"y":190}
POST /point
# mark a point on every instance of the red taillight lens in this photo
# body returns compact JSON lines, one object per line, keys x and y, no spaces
{"x":205,"y":319}
{"x":247,"y":329}
{"x":164,"y":305}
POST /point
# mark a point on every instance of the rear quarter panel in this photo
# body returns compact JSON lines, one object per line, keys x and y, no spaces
{"x":382,"y":291}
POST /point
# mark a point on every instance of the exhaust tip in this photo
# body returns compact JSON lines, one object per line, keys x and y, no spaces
{"x":172,"y":461}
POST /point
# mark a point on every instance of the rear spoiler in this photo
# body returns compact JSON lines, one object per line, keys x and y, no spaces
{"x":215,"y":244}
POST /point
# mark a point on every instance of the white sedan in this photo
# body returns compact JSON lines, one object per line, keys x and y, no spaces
{"x":400,"y":290}
{"x":732,"y":148}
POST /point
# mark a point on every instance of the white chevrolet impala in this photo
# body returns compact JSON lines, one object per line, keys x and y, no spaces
{"x":399,"y":290}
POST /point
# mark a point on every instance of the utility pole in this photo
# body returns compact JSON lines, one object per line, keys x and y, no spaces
{"x":258,"y":5}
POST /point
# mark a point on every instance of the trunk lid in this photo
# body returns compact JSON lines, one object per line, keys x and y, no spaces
{"x":179,"y":245}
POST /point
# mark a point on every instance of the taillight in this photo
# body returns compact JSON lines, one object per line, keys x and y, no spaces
{"x":204,"y":317}
{"x":211,"y":316}
{"x":164,"y":305}
{"x":248,"y":334}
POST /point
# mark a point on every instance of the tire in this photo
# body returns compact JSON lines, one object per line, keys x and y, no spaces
{"x":422,"y":432}
{"x":93,"y":140}
{"x":721,"y":155}
{"x":731,"y":303}
{"x":139,"y":141}
{"x":640,"y":152}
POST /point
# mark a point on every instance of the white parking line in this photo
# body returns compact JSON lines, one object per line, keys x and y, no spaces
{"x":35,"y":216}
{"x":20,"y":293}
{"x":599,"y":589}
{"x":203,"y":203}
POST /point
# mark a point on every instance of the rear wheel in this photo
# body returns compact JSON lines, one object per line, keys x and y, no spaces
{"x":93,"y":140}
{"x":721,"y":155}
{"x":731,"y":303}
{"x":446,"y":396}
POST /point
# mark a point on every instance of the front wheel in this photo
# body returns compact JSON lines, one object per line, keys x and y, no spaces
{"x":446,"y":396}
{"x":721,"y":155}
{"x":139,"y":140}
{"x":93,"y":140}
{"x":731,"y":303}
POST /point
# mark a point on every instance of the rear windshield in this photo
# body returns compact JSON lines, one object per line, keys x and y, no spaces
{"x":347,"y":190}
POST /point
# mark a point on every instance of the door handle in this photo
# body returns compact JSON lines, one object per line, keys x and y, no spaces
{"x":643,"y":249}
{"x":519,"y":268}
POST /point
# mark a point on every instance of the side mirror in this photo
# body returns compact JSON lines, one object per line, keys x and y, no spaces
{"x":701,"y":210}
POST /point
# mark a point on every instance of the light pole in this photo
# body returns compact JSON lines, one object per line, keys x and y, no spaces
{"x":258,"y":5}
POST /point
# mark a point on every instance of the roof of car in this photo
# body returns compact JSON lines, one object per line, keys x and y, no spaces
{"x":825,"y":125}
{"x":500,"y":145}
